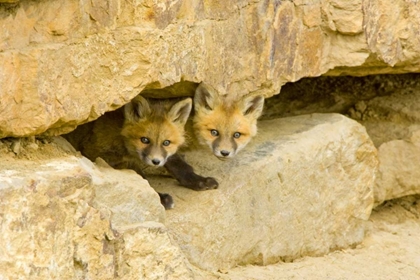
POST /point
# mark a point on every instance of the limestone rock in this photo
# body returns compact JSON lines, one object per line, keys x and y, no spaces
{"x":63,"y":218}
{"x":399,"y":168}
{"x":129,"y":197}
{"x":387,"y":105}
{"x":303,"y":186}
{"x":393,"y":123}
{"x":388,"y":252}
{"x":69,"y":62}
{"x":148,"y":252}
{"x":48,"y":228}
{"x":391,"y":30}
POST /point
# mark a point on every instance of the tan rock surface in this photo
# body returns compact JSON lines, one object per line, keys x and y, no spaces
{"x":63,"y":218}
{"x":303,"y":186}
{"x":59,"y":69}
{"x":148,"y":252}
{"x":387,"y":105}
{"x":393,"y":122}
{"x":56,"y":219}
{"x":399,"y":172}
{"x":389,"y":251}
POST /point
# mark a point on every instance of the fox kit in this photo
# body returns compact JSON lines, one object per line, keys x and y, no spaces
{"x":225,"y":125}
{"x":152,"y":132}
{"x":144,"y":131}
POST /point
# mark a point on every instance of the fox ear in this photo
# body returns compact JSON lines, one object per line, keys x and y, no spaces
{"x":180,"y":111}
{"x":204,"y":98}
{"x":137,"y":109}
{"x":253,"y":106}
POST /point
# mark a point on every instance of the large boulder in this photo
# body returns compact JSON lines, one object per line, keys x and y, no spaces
{"x":303,"y":186}
{"x":61,"y":217}
{"x":63,"y":63}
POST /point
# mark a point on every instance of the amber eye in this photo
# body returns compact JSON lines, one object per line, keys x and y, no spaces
{"x":166,"y":143}
{"x":145,"y":140}
{"x":214,"y":132}
{"x":236,"y":135}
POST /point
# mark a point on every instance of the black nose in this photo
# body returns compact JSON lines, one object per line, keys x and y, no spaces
{"x":155,"y":161}
{"x":224,"y":153}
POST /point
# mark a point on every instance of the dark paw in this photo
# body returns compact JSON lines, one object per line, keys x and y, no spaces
{"x":208,"y":183}
{"x":166,"y":200}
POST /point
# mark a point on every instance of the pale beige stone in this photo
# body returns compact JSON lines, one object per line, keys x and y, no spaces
{"x":399,"y":168}
{"x":393,"y":123}
{"x":148,"y":252}
{"x":303,"y":186}
{"x":346,"y":17}
{"x":128,"y":197}
{"x":47,"y":225}
{"x":392,"y":31}
{"x":61,"y":217}
{"x":390,"y":251}
{"x":63,"y":63}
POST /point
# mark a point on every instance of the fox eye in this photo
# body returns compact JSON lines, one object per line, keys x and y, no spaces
{"x":145,"y":140}
{"x":166,"y":143}
{"x":236,"y":135}
{"x":214,"y":132}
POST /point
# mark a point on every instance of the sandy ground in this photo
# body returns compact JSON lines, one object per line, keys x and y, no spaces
{"x":391,"y":250}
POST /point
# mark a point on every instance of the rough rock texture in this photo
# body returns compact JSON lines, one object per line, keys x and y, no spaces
{"x":303,"y":186}
{"x":63,"y":62}
{"x":387,"y":105}
{"x":393,"y":122}
{"x":51,"y":228}
{"x":389,"y":251}
{"x":399,"y":170}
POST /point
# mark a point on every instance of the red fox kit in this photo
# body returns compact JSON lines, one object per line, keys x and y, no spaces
{"x":143,"y":131}
{"x":225,"y":125}
{"x":153,"y":132}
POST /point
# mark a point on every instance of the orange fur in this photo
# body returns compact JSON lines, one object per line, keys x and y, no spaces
{"x":116,"y":136}
{"x":227,"y":117}
{"x":158,"y":122}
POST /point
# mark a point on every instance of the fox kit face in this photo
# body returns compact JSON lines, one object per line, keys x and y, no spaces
{"x":225,"y":126}
{"x":154,"y":130}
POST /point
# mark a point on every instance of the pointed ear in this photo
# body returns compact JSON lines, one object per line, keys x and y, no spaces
{"x":204,"y":98}
{"x":137,"y":109}
{"x":253,"y":106}
{"x":180,"y":111}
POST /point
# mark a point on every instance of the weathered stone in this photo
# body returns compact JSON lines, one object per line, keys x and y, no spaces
{"x":129,"y":197}
{"x":346,"y":17}
{"x":392,"y":31}
{"x":63,"y":63}
{"x":63,"y":218}
{"x":47,"y":226}
{"x":393,"y":123}
{"x":148,"y":252}
{"x":303,"y":186}
{"x":399,"y":168}
{"x":387,"y":105}
{"x":390,"y":251}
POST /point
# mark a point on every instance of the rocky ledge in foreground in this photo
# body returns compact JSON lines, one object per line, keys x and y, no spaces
{"x":62,"y":217}
{"x":304,"y":186}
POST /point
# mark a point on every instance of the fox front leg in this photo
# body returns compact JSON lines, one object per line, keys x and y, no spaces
{"x":185,"y":175}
